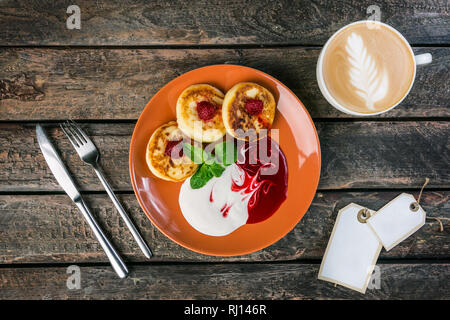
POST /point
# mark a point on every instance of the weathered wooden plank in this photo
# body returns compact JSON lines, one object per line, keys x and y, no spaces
{"x":211,"y":22}
{"x":49,"y":229}
{"x":43,"y":84}
{"x":354,"y":155}
{"x":222,"y":281}
{"x":384,"y":154}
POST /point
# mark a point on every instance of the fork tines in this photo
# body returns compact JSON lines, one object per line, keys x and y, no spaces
{"x":76,"y":136}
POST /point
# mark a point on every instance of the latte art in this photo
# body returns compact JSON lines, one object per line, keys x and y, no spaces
{"x":367,"y":69}
{"x":370,"y":81}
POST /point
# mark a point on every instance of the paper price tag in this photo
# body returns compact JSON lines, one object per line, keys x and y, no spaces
{"x":397,"y":220}
{"x":352,"y":250}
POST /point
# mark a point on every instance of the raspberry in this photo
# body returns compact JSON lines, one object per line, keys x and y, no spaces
{"x":206,"y":110}
{"x":169,"y":148}
{"x":254,"y":106}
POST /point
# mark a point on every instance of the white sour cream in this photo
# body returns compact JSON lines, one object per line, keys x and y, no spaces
{"x":215,"y":209}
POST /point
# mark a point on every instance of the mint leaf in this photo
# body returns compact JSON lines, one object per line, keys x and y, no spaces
{"x":216,"y":169}
{"x":201,"y":177}
{"x":210,"y":166}
{"x":210,"y":159}
{"x":226,"y":153}
{"x":196,"y":154}
{"x":197,"y":181}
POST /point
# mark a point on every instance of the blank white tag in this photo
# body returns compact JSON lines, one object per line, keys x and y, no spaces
{"x":396,"y":221}
{"x":352,"y":251}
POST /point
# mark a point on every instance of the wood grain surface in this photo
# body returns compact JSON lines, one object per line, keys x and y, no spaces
{"x":354,"y":155}
{"x":50,"y":229}
{"x":105,"y":73}
{"x":211,"y":22}
{"x":222,"y":281}
{"x":116,"y":84}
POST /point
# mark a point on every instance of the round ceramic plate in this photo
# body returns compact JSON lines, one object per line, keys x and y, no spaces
{"x":298,"y":140}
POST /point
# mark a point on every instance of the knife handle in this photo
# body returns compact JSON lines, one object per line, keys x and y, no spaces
{"x":116,"y":261}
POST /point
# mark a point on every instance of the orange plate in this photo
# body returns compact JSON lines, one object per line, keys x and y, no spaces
{"x":298,"y":140}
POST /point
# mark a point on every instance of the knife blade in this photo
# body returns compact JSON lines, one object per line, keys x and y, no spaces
{"x":65,"y":180}
{"x":56,"y":165}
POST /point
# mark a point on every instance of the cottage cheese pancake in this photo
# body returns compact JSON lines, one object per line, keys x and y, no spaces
{"x":164,"y":154}
{"x":247,"y":109}
{"x":199,"y":113}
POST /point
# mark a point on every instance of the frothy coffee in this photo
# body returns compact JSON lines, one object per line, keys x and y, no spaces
{"x":368,"y":68}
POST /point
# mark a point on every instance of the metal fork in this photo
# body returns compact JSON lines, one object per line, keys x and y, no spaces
{"x":88,"y":153}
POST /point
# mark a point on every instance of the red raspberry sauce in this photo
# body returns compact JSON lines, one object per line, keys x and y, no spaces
{"x":268,"y":191}
{"x":225,"y":209}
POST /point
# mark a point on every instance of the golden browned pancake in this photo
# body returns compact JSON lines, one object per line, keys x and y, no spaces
{"x":194,"y":117}
{"x":248,"y":107}
{"x":165,"y":164}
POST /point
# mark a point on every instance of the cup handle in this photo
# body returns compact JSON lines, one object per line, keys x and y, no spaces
{"x":424,"y":58}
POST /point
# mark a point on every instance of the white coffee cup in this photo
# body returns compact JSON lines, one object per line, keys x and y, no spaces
{"x":418,"y":60}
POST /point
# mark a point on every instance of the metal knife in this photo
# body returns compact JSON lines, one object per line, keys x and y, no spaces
{"x":64,"y":179}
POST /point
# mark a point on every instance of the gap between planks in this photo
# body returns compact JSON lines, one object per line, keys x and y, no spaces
{"x":201,"y":46}
{"x":381,"y":261}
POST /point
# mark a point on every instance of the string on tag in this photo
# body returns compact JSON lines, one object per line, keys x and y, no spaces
{"x":441,"y":226}
{"x":415,"y":206}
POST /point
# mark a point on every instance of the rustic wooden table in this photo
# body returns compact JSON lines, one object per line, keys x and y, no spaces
{"x":103,"y":75}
